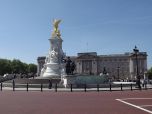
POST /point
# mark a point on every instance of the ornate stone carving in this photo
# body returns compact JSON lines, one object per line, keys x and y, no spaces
{"x":54,"y":54}
{"x":56,"y":31}
{"x":53,"y":64}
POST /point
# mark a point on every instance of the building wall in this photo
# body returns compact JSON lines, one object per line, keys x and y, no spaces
{"x":117,"y":66}
{"x":122,"y":66}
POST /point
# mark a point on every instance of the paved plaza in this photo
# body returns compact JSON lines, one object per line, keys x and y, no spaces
{"x":49,"y":102}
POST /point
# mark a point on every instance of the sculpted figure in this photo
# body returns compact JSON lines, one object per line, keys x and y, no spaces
{"x":54,"y":54}
{"x":55,"y":25}
{"x":73,"y":66}
{"x":68,"y":66}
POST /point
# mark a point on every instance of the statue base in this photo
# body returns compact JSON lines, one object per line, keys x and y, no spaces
{"x":52,"y":71}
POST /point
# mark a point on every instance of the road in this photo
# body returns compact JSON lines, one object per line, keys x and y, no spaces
{"x":50,"y":102}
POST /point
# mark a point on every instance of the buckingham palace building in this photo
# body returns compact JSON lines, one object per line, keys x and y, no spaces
{"x":117,"y":66}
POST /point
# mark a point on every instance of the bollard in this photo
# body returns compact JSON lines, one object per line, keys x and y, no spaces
{"x":13,"y":85}
{"x":85,"y":87}
{"x":145,"y":86}
{"x":56,"y":87}
{"x":27,"y":87}
{"x":98,"y":87}
{"x":110,"y":86}
{"x":121,"y":86}
{"x":140,"y":88}
{"x":1,"y":86}
{"x":41,"y":87}
{"x":71,"y":87}
{"x":131,"y":87}
{"x":50,"y":84}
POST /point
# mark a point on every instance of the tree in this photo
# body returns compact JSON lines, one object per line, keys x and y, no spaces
{"x":32,"y":68}
{"x":5,"y":66}
{"x":16,"y":66}
{"x":149,"y":73}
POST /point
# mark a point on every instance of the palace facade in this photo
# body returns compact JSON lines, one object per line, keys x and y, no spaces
{"x":117,"y":66}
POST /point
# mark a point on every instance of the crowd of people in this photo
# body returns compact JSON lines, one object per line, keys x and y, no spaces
{"x":7,"y":77}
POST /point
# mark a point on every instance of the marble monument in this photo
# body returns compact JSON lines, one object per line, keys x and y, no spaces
{"x":54,"y":66}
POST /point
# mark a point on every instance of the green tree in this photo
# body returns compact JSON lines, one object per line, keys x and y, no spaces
{"x":25,"y":68}
{"x":5,"y":66}
{"x":149,"y":73}
{"x":32,"y":68}
{"x":16,"y":66}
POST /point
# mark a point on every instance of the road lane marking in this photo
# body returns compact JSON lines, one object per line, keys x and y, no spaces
{"x":145,"y":105}
{"x":134,"y":106}
{"x":135,"y":98}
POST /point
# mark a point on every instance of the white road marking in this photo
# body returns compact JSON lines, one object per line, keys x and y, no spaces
{"x":120,"y":100}
{"x":145,"y":105}
{"x":135,"y":98}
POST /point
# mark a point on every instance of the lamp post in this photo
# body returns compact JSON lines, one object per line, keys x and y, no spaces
{"x":136,"y":51}
{"x":118,"y":68}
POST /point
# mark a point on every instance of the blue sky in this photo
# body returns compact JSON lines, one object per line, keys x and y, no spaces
{"x":104,"y":26}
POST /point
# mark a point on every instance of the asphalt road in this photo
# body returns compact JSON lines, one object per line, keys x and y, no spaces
{"x":48,"y":102}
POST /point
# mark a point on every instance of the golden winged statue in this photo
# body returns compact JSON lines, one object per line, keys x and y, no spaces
{"x":55,"y":29}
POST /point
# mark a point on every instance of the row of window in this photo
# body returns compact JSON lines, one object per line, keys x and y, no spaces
{"x":114,"y":60}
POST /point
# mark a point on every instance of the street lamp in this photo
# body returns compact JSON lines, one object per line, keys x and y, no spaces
{"x":136,"y":51}
{"x":118,"y":68}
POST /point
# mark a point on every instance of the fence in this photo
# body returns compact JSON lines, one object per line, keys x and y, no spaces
{"x":48,"y":85}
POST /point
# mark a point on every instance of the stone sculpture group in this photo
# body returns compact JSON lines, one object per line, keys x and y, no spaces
{"x":55,"y":66}
{"x":70,"y":66}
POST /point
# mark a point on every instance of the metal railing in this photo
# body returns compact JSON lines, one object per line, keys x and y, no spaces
{"x":75,"y":87}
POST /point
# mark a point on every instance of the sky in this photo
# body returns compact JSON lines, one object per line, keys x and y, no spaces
{"x":102,"y":26}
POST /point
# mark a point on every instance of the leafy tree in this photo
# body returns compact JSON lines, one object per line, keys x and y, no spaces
{"x":32,"y":68}
{"x":25,"y":68}
{"x":150,"y":73}
{"x":16,"y":66}
{"x":5,"y":66}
